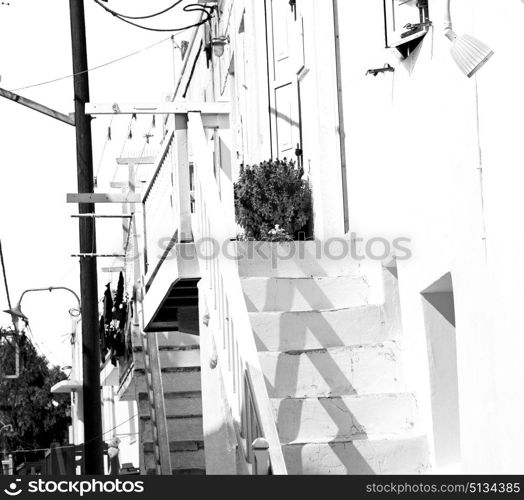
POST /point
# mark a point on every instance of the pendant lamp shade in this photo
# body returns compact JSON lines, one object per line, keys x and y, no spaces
{"x":470,"y":54}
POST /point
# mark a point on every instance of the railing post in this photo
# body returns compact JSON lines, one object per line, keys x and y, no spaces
{"x":250,"y":409}
{"x":261,"y":453}
{"x":182,"y":194}
{"x":225,"y":175}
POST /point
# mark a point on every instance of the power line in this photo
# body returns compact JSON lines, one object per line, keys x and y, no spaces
{"x":5,"y":276}
{"x":108,"y":138}
{"x":171,"y":7}
{"x":70,"y":446}
{"x":47,"y":82}
{"x":37,"y":346}
{"x":193,"y":7}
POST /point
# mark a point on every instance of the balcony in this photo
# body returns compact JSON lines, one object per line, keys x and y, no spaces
{"x":161,"y":262}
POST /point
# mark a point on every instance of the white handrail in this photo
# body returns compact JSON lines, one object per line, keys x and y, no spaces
{"x":229,"y":320}
{"x":161,"y":220}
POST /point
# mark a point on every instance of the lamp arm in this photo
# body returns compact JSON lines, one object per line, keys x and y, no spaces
{"x":448,"y":24}
{"x":50,"y":289}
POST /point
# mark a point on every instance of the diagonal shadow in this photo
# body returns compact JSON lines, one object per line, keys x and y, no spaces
{"x":342,"y":443}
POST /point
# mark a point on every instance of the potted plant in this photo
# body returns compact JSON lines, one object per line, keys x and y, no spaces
{"x":273,"y":201}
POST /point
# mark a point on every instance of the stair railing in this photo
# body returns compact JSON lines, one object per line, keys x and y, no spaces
{"x":230,"y":325}
{"x":154,"y":387}
{"x":159,"y":207}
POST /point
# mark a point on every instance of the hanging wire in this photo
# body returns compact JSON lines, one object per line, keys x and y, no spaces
{"x":89,"y":441}
{"x":32,"y":338}
{"x":102,"y":155}
{"x":207,"y":15}
{"x":136,"y":52}
{"x":149,"y":16}
{"x":8,"y":296}
{"x":148,"y":134}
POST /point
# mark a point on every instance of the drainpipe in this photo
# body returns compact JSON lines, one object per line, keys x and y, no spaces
{"x":452,"y":36}
{"x":341,"y":122}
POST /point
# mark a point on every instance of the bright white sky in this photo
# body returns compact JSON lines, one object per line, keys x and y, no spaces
{"x":38,"y":154}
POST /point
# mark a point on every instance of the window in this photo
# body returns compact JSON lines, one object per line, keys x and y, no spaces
{"x":406,"y":23}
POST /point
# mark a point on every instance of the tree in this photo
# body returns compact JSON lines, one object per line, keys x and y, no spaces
{"x":34,"y":419}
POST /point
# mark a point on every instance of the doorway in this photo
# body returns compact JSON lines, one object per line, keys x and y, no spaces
{"x":285,"y":61}
{"x":441,"y":335}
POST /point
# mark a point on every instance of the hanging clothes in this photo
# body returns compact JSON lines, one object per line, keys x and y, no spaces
{"x":119,"y":297}
{"x":103,"y":340}
{"x":108,"y":305}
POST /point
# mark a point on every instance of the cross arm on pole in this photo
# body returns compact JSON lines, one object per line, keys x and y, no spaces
{"x":176,"y":107}
{"x":214,"y":114}
{"x":28,"y":103}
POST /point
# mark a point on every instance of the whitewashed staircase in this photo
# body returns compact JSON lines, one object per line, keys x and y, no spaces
{"x":331,"y":360}
{"x":180,"y":365}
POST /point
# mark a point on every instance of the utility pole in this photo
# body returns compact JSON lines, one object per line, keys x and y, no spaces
{"x":93,"y":455}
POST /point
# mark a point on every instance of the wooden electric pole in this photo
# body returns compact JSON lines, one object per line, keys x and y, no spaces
{"x":93,"y":454}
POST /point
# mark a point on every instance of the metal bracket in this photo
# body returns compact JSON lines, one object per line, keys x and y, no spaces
{"x":387,"y":68}
{"x":95,"y":216}
{"x":94,"y":198}
{"x":98,"y":256}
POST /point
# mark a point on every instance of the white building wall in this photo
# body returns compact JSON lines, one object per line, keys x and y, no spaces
{"x":119,"y":418}
{"x":413,"y":160}
{"x":416,"y":140}
{"x":240,"y":76}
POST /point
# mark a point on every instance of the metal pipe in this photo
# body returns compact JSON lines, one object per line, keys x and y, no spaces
{"x":341,"y":120}
{"x":95,"y":216}
{"x":448,"y":24}
{"x":50,"y":289}
{"x":98,"y":256}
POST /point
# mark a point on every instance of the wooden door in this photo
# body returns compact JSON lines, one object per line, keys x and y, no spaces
{"x":286,"y":60}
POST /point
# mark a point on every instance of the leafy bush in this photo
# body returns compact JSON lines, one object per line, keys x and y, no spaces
{"x":272,"y":194}
{"x":26,"y":403}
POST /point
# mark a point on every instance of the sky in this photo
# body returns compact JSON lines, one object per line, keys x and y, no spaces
{"x":37,"y":162}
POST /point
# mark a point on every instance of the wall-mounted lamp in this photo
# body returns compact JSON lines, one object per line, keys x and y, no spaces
{"x":469,"y":53}
{"x":219,"y":44}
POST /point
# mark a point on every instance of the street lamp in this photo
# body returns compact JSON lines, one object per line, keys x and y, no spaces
{"x":17,"y":314}
{"x":73,"y":384}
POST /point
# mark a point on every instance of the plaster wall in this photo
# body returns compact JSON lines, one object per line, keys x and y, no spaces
{"x":119,"y":418}
{"x":417,"y":143}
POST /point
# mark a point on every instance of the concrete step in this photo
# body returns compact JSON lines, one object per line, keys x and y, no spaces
{"x":177,"y":339}
{"x":307,"y":294}
{"x":177,"y":446}
{"x":175,"y":380}
{"x":189,"y":472}
{"x":346,"y":418}
{"x":366,"y":457}
{"x":168,"y":339}
{"x":292,"y":331}
{"x":180,"y":429}
{"x":177,"y":405}
{"x":173,"y":357}
{"x":180,"y":461}
{"x":346,"y":371}
{"x":296,"y":259}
